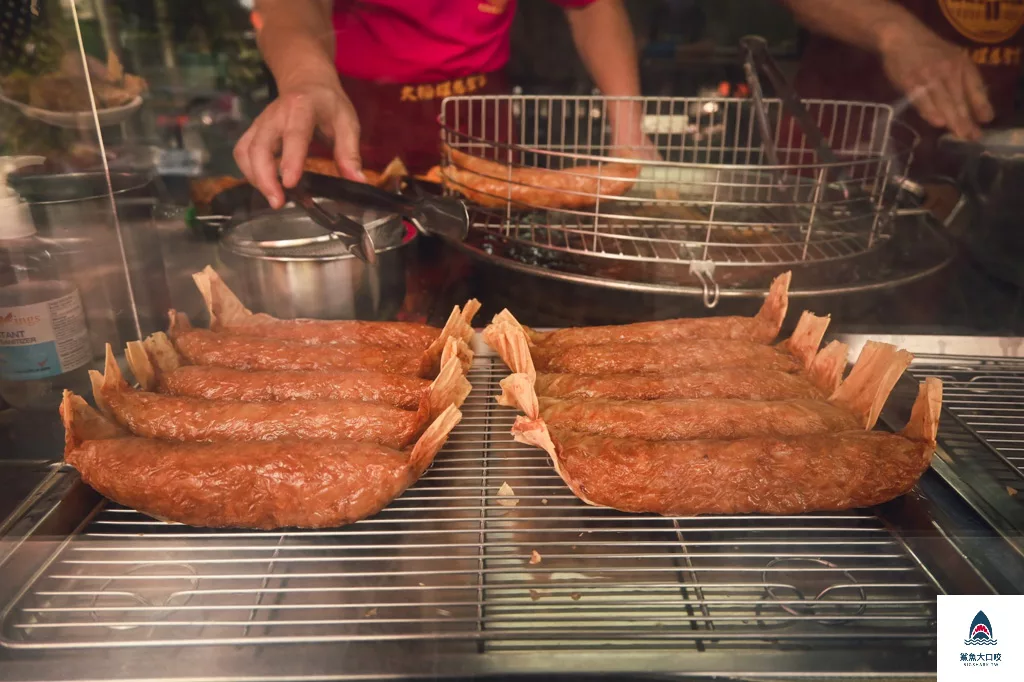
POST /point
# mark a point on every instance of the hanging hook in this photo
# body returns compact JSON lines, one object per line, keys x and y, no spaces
{"x":704,"y":270}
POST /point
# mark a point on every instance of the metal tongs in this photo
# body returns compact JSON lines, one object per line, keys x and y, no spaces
{"x":757,"y":58}
{"x":341,"y":227}
{"x":431,"y":215}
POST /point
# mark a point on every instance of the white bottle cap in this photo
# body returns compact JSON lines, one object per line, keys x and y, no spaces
{"x":15,"y":216}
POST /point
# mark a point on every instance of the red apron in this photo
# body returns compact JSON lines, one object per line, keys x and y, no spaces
{"x":402,"y":120}
{"x":990,"y":30}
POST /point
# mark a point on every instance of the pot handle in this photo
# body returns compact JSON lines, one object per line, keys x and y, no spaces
{"x":918,"y":190}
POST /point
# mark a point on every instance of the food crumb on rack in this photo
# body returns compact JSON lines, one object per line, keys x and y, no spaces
{"x":534,"y":595}
{"x":370,"y":613}
{"x":507,"y":496}
{"x":535,"y":558}
{"x":544,"y":501}
{"x":575,"y":596}
{"x":444,"y":612}
{"x":1011,"y":491}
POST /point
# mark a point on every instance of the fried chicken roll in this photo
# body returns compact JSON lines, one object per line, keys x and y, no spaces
{"x":495,"y":185}
{"x":765,"y":474}
{"x":227,"y":314}
{"x":676,"y":357}
{"x":154,"y":415}
{"x":252,"y":353}
{"x":159,"y":368}
{"x":855,"y":405}
{"x":762,"y":328}
{"x":262,"y":485}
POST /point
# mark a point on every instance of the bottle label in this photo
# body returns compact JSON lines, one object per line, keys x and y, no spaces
{"x":43,"y":340}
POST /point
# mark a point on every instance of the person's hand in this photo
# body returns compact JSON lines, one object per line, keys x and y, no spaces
{"x":939,"y":79}
{"x":287,"y":126}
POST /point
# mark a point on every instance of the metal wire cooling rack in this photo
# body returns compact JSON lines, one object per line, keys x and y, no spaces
{"x":452,"y":561}
{"x":987,"y":396}
{"x":983,"y":433}
{"x":712,"y":200}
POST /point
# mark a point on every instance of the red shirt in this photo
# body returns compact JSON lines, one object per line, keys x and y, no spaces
{"x":423,"y":41}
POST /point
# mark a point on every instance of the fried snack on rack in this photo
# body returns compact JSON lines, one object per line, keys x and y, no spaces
{"x":767,"y":475}
{"x":820,"y":380}
{"x":253,"y":353}
{"x":159,"y":368}
{"x":762,"y":328}
{"x":818,"y":383}
{"x":495,"y":185}
{"x":156,"y":415}
{"x":856,"y":404}
{"x":263,"y":485}
{"x":793,"y":355}
{"x":227,"y":314}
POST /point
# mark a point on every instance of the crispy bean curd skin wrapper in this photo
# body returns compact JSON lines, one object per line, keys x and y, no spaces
{"x":768,"y":475}
{"x":856,"y":404}
{"x":674,"y":357}
{"x":762,"y":328}
{"x":494,"y":185}
{"x":749,"y":384}
{"x":821,"y":379}
{"x":227,"y":314}
{"x":251,"y":353}
{"x":158,"y":367}
{"x":261,"y":485}
{"x":155,"y":415}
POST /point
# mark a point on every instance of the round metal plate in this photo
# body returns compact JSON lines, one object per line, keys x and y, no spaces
{"x":927,"y":228}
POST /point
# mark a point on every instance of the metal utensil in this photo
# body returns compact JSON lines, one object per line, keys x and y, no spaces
{"x":759,"y":58}
{"x":343,"y":228}
{"x":445,"y":217}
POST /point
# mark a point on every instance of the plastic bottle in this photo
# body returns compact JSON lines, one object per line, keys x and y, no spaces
{"x":44,"y":341}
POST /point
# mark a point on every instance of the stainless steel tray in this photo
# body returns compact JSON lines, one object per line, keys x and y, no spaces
{"x":441,"y":584}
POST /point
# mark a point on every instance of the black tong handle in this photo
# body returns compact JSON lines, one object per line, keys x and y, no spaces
{"x":443,"y":216}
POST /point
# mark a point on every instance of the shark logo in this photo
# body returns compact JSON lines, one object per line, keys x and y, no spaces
{"x":981,"y":631}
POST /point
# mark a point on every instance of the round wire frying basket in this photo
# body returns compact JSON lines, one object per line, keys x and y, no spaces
{"x":700,"y":196}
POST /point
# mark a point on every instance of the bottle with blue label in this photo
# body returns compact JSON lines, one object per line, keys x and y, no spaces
{"x":44,"y":341}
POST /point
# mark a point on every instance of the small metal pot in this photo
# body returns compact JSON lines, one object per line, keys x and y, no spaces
{"x":290,"y":267}
{"x":991,"y":178}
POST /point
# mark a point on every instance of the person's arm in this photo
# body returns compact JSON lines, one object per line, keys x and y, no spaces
{"x":604,"y":40}
{"x":938,"y":77}
{"x":296,"y":38}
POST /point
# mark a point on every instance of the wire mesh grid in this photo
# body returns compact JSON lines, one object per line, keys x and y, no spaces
{"x":712,"y":196}
{"x":454,"y":560}
{"x":985,"y":396}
